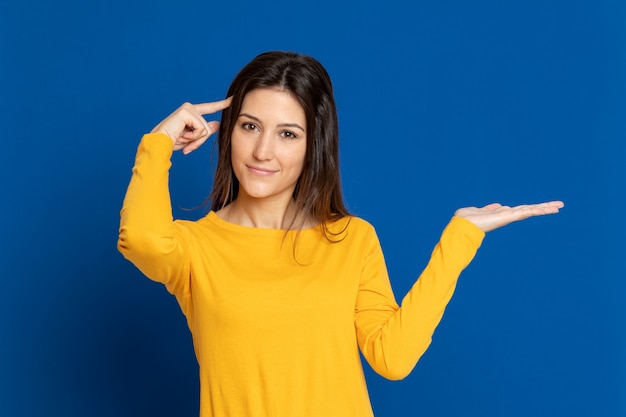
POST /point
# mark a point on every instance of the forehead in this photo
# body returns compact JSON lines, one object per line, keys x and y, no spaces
{"x":272,"y":104}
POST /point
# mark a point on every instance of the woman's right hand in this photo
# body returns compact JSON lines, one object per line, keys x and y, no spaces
{"x":187,"y":127}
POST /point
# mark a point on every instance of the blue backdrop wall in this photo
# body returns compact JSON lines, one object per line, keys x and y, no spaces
{"x":441,"y":104}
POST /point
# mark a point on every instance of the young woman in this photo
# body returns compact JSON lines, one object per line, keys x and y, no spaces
{"x":279,"y":284}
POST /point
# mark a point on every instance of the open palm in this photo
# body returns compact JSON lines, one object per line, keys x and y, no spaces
{"x":496,"y":215}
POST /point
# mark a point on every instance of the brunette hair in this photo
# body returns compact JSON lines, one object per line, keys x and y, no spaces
{"x":318,"y":190}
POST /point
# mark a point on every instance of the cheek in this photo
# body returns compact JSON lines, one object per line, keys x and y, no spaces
{"x":297,"y":158}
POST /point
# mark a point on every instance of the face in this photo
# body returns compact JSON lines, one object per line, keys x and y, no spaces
{"x":268,"y":145}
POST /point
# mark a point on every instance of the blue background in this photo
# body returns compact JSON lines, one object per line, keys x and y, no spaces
{"x":441,"y":105}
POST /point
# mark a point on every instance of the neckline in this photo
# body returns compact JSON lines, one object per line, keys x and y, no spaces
{"x":256,"y":231}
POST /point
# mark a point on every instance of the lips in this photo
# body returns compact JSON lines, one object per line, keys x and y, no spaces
{"x":259,"y":171}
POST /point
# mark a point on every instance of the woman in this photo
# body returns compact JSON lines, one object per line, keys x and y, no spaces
{"x":279,"y":284}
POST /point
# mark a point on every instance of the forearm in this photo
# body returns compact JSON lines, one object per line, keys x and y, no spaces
{"x":394,"y":345}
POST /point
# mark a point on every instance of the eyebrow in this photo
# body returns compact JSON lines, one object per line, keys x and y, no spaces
{"x":279,"y":125}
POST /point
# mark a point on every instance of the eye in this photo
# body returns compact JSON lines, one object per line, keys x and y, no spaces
{"x":249,"y":126}
{"x":287,"y":134}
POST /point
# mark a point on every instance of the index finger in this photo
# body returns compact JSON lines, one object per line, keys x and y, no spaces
{"x":208,"y":108}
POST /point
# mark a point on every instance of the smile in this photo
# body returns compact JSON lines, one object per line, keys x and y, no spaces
{"x":261,"y":172}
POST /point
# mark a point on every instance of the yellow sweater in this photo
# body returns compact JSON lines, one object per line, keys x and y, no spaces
{"x":276,"y":331}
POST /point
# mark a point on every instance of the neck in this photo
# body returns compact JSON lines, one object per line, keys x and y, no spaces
{"x":261,"y":213}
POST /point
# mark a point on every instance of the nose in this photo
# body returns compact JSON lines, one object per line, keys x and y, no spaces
{"x":264,"y":147}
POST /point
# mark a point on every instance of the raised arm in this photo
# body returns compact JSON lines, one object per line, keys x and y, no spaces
{"x":148,"y":236}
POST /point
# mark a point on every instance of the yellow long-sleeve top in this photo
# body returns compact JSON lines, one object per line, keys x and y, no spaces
{"x":276,"y":331}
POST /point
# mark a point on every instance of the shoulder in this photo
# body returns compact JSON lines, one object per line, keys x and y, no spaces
{"x":199,"y":227}
{"x":349,"y":222}
{"x":352,"y":228}
{"x":359,"y":223}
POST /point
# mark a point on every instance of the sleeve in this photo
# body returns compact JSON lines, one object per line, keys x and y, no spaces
{"x":392,"y":338}
{"x":148,"y":236}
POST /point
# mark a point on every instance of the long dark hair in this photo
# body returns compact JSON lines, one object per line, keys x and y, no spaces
{"x":318,"y":190}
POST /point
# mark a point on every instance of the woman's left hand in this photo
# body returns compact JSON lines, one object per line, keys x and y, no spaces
{"x":494,"y":216}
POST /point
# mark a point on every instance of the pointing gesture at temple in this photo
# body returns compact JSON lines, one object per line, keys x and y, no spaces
{"x":187,"y":126}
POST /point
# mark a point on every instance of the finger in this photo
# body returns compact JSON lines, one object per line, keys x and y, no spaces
{"x":196,"y":127}
{"x":551,"y":208}
{"x":192,"y":146}
{"x":542,"y":208}
{"x":212,"y":127}
{"x":526,"y":211}
{"x":194,"y":134}
{"x":558,"y":204}
{"x":185,"y":122}
{"x":492,"y":206}
{"x":202,"y":134}
{"x":193,"y":118}
{"x":208,"y":108}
